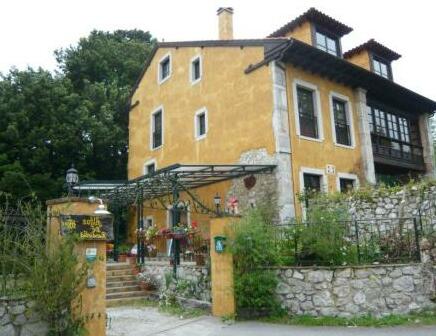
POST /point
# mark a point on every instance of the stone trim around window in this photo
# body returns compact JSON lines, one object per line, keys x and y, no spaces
{"x":317,"y":104}
{"x":161,"y":80}
{"x":348,"y":176}
{"x":197,"y":136}
{"x":147,"y":163}
{"x":349,"y":111}
{"x":191,"y":69}
{"x":158,"y":109}
{"x":313,"y":171}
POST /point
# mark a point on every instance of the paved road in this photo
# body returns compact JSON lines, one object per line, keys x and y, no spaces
{"x":126,"y":321}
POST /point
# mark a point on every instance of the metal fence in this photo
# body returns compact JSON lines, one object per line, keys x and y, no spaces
{"x":387,"y":240}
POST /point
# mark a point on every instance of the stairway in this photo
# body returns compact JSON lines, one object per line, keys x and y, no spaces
{"x":122,"y":285}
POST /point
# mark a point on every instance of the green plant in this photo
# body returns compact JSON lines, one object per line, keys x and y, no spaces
{"x":254,"y":250}
{"x":124,"y":249}
{"x":50,"y":276}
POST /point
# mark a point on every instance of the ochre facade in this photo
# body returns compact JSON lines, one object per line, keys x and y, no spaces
{"x":303,"y":32}
{"x":247,"y":113}
{"x":361,"y":59}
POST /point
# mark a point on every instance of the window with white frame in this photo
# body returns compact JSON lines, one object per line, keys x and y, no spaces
{"x":196,"y":69}
{"x":308,"y":113}
{"x":164,"y":71}
{"x":200,"y":124}
{"x":149,"y":221}
{"x":149,"y":167}
{"x":347,"y":182}
{"x":157,"y":128}
{"x":342,"y":122}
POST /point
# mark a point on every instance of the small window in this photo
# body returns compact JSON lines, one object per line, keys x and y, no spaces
{"x":327,"y":43}
{"x":196,"y":70}
{"x":380,"y":68}
{"x":149,"y":168}
{"x":149,"y":222}
{"x":306,"y":113}
{"x":157,"y":135}
{"x":201,"y":124}
{"x":164,"y":68}
{"x":342,"y":122}
{"x":346,"y":184}
{"x":312,"y":182}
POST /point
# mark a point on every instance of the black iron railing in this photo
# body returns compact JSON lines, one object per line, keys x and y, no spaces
{"x":382,"y":241}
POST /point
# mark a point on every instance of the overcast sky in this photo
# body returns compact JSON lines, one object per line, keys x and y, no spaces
{"x":31,"y":30}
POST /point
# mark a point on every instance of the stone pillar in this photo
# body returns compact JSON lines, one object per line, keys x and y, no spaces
{"x":365,"y":136}
{"x":93,"y":299}
{"x":283,"y":156}
{"x":427,"y":143}
{"x":223,"y":298}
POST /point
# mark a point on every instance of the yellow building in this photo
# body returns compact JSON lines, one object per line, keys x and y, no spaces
{"x":327,"y":120}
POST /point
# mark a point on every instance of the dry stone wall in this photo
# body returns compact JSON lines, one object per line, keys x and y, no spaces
{"x":406,"y":203}
{"x":377,"y":290}
{"x":18,"y":319}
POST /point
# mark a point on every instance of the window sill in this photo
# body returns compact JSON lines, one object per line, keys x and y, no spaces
{"x":161,"y":81}
{"x":310,"y":139}
{"x":156,"y":148}
{"x":345,"y":146}
{"x":201,"y":137}
{"x":195,"y":81}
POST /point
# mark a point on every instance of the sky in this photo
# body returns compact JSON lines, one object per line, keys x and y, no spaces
{"x":31,"y":30}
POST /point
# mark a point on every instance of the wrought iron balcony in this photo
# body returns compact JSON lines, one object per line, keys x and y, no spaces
{"x":397,"y":153}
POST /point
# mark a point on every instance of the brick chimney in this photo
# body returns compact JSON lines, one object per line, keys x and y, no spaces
{"x":225,"y":23}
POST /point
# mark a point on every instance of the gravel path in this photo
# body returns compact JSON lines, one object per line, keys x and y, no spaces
{"x":145,"y":321}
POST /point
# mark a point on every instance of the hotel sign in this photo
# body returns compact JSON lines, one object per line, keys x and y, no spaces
{"x":88,"y":227}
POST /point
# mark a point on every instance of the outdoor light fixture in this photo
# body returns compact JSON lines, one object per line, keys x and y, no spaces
{"x":71,"y":178}
{"x":217,"y":202}
{"x":101,"y":210}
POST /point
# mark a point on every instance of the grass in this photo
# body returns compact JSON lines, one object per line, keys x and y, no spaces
{"x":422,"y":318}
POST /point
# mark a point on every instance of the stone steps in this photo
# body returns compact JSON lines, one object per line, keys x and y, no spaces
{"x":122,"y":289}
{"x":118,"y":278}
{"x":121,"y":285}
{"x":114,"y":272}
{"x":124,"y":295}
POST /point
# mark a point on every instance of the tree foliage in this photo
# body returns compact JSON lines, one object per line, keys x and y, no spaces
{"x":78,"y":115}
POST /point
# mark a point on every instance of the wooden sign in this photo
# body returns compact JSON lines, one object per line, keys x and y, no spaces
{"x":88,"y":227}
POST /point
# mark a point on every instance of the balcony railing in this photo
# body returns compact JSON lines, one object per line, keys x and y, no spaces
{"x":397,"y":152}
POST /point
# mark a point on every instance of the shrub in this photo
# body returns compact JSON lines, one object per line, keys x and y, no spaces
{"x":254,"y":250}
{"x":51,"y":277}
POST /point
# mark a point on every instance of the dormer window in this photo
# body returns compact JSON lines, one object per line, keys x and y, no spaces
{"x":327,"y":43}
{"x":380,"y":68}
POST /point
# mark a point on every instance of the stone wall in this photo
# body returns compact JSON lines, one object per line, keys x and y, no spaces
{"x":377,"y":290}
{"x":18,"y":319}
{"x":380,"y":204}
{"x":194,"y":280}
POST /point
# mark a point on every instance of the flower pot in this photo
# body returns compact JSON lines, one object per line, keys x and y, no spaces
{"x":122,"y":257}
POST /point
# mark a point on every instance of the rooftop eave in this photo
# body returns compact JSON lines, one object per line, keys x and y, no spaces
{"x":341,"y":71}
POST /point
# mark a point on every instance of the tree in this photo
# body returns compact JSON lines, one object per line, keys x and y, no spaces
{"x":103,"y":69}
{"x":79,"y":114}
